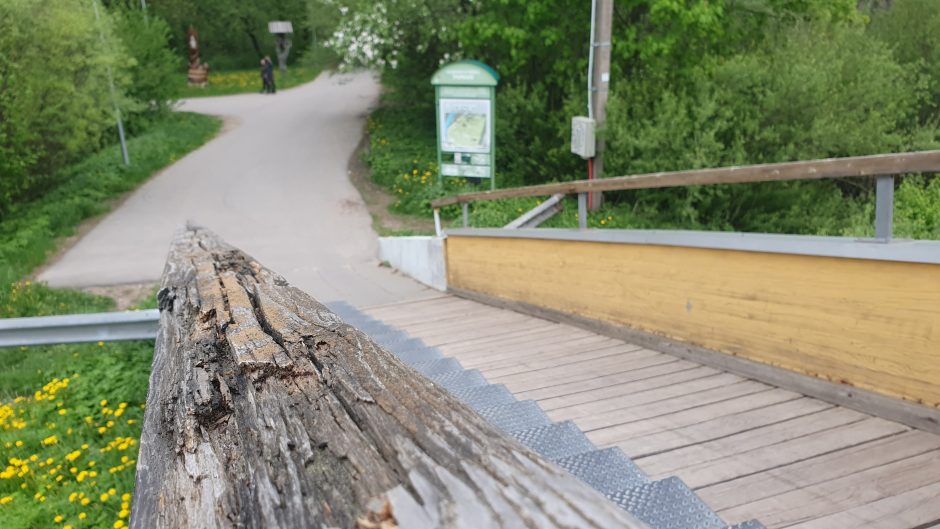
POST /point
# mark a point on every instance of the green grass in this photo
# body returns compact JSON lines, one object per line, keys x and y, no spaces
{"x":70,"y":414}
{"x":38,"y":480}
{"x":246,"y":81}
{"x":31,"y":231}
{"x":402,"y":159}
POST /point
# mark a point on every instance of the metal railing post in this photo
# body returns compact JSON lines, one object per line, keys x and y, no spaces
{"x":884,"y":207}
{"x":582,"y":211}
{"x":466,"y":214}
{"x":437,"y":222}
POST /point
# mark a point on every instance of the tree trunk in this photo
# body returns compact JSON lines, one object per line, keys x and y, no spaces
{"x":266,"y":410}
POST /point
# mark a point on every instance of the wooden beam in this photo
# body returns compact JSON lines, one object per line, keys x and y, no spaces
{"x":266,"y":410}
{"x":877,"y":165}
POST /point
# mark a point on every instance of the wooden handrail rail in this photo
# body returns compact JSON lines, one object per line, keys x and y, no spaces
{"x":266,"y":410}
{"x":875,"y":165}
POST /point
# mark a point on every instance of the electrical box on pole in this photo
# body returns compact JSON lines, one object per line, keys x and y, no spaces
{"x":583,"y":142}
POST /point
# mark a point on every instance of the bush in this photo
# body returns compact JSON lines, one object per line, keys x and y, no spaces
{"x":813,"y":91}
{"x":917,"y":208}
{"x":154,"y":67}
{"x":54,"y":94}
{"x":912,"y":29}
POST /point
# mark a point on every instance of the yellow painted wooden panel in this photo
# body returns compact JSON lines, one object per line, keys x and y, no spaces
{"x":870,"y":324}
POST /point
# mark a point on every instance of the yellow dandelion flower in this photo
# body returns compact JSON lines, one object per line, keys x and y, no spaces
{"x":82,"y":516}
{"x":58,"y":518}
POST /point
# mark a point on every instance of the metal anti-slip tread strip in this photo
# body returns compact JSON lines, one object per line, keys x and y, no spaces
{"x":419,"y":355}
{"x":667,"y":504}
{"x":515,"y":416}
{"x":481,"y":397}
{"x":433,"y":367}
{"x":459,"y":379}
{"x":607,"y":470}
{"x":664,"y":504}
{"x":555,"y":441}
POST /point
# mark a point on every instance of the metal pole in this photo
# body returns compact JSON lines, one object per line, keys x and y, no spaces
{"x":600,"y":74}
{"x":582,"y":211}
{"x":590,"y":73}
{"x":437,"y":222}
{"x":884,"y":207}
{"x":466,"y":214}
{"x":117,"y":110}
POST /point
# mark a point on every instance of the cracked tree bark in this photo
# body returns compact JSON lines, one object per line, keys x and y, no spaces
{"x":265,"y":410}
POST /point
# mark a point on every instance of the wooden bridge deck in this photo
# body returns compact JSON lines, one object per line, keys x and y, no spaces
{"x":748,"y":449}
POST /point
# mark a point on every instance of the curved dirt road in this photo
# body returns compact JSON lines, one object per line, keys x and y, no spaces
{"x":275,"y":185}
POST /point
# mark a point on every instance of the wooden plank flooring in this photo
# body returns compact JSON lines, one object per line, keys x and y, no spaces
{"x":748,"y":449}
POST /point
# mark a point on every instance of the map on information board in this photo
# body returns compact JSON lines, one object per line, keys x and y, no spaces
{"x":465,"y":125}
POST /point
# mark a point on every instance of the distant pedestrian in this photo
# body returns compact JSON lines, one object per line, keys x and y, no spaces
{"x":267,"y":74}
{"x":264,"y":77}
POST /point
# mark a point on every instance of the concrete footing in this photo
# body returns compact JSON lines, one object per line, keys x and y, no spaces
{"x":422,"y":258}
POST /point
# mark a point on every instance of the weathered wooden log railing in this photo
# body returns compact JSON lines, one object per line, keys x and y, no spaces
{"x":265,"y":410}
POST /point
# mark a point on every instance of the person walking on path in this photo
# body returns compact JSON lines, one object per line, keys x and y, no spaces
{"x":267,"y":75}
{"x":264,"y":77}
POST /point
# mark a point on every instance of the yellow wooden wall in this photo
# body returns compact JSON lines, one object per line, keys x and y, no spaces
{"x":870,"y":324}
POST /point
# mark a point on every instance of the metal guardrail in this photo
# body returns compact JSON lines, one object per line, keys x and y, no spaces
{"x":80,"y":328}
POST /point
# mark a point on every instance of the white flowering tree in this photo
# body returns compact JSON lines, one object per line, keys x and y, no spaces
{"x":412,"y":37}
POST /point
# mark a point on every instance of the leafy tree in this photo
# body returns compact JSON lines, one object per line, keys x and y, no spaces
{"x":233,"y":33}
{"x":154,"y":66}
{"x":54,"y":94}
{"x":912,"y":29}
{"x":810,"y":91}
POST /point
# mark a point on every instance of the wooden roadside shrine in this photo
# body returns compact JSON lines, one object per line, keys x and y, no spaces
{"x":266,"y":410}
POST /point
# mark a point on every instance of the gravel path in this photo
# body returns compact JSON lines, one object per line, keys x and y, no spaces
{"x":275,"y":185}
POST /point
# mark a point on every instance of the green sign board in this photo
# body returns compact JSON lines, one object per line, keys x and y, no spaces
{"x":464,"y":95}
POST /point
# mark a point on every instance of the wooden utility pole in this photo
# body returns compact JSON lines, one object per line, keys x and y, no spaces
{"x":603,"y":21}
{"x":266,"y":410}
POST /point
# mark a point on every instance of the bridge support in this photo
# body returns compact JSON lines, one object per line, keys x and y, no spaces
{"x":884,"y":207}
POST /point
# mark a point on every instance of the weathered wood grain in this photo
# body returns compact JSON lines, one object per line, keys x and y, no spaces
{"x":266,"y":410}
